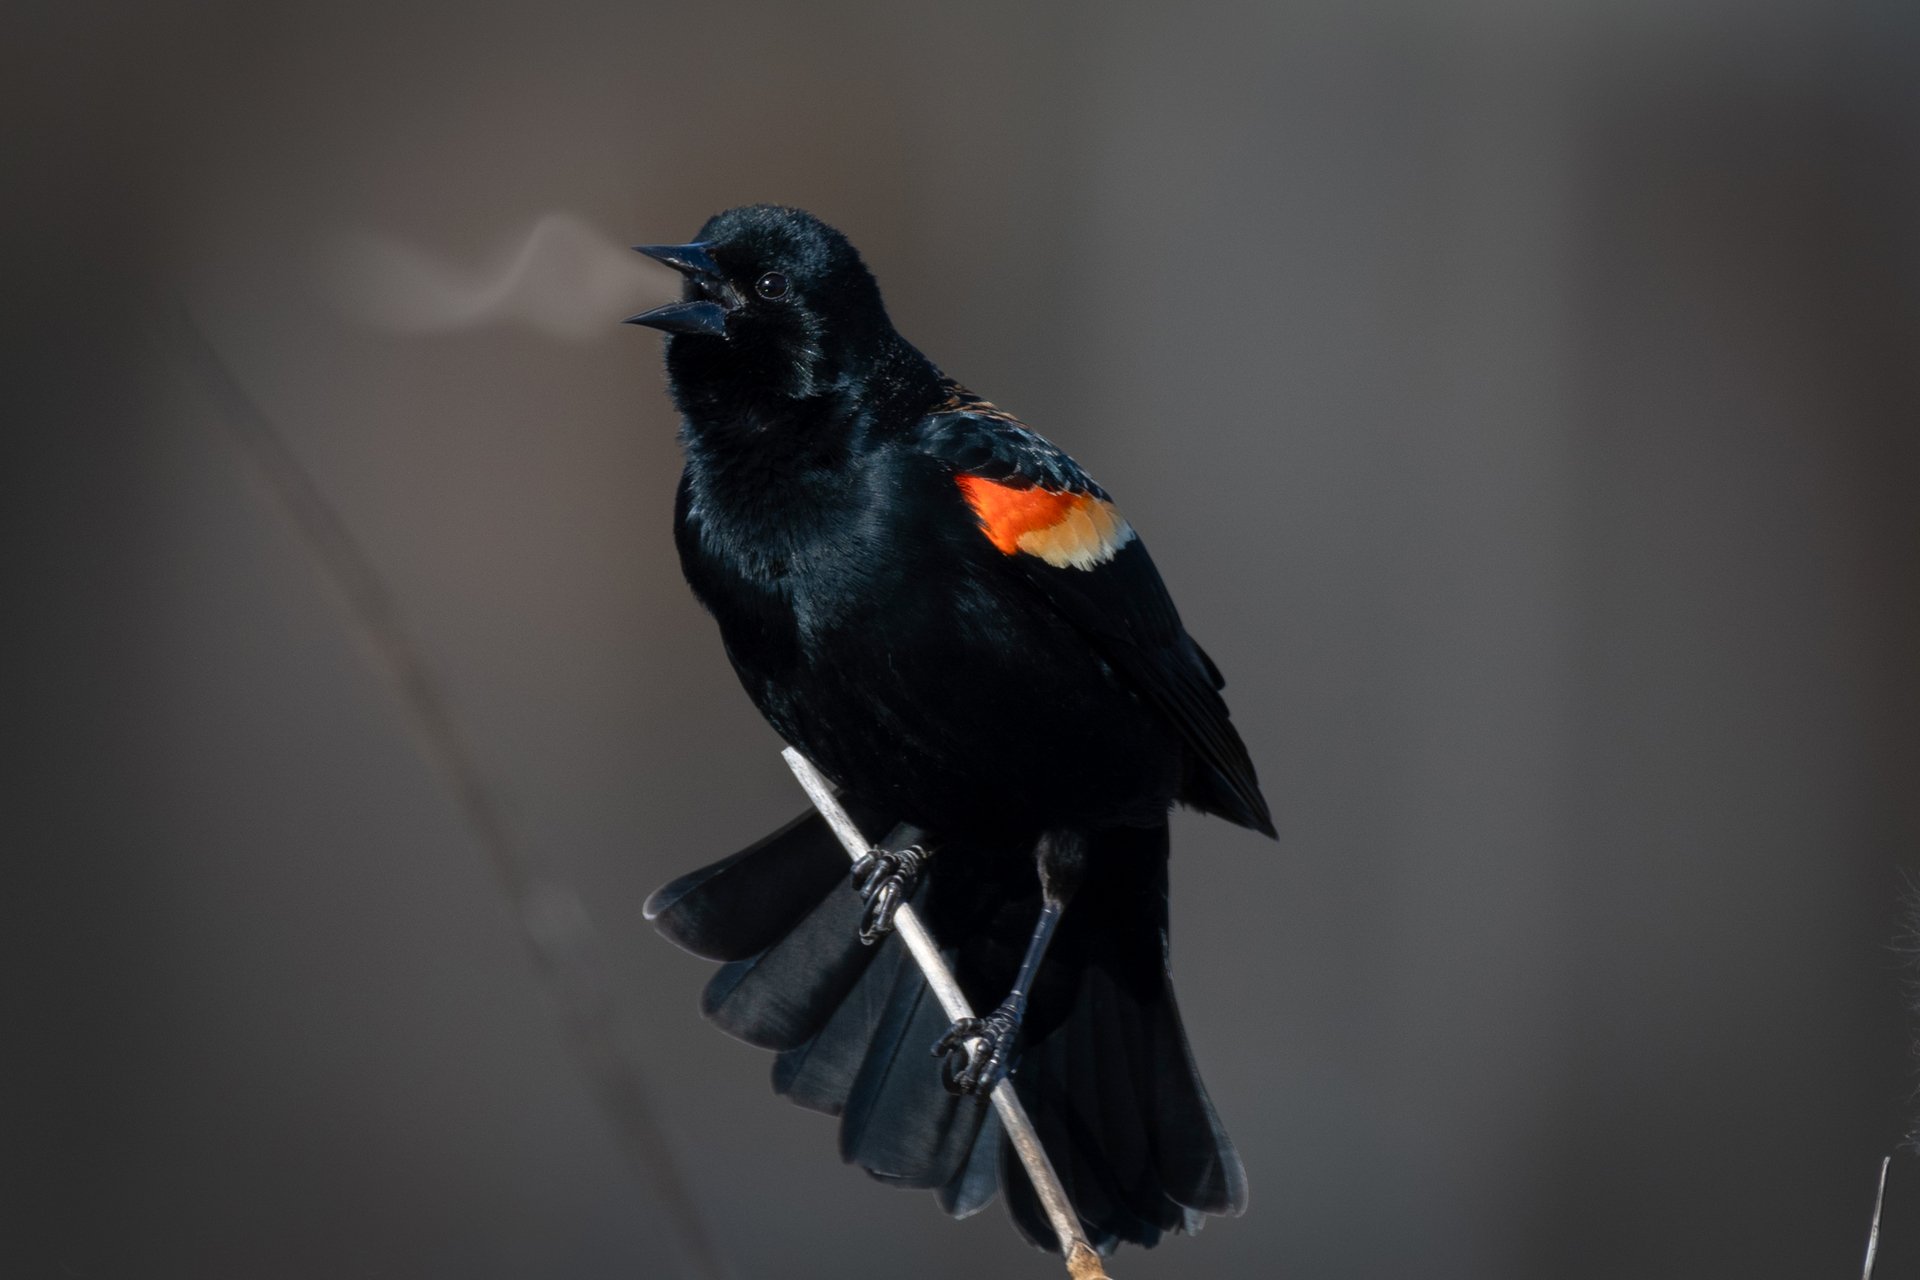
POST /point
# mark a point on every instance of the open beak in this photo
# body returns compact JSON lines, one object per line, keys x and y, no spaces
{"x":702,"y":315}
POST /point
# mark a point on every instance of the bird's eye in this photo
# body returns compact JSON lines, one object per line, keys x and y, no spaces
{"x":771,"y":285}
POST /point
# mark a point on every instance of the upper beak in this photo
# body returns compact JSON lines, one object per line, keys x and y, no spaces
{"x":687,"y":259}
{"x":699,"y":316}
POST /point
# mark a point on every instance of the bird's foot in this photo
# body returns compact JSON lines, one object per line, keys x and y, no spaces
{"x":886,"y":878}
{"x":977,"y":1053}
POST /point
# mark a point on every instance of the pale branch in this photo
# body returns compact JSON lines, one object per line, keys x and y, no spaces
{"x":565,"y":950}
{"x":1083,"y":1263}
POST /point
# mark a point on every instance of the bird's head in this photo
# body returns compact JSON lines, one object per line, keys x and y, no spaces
{"x":775,"y":304}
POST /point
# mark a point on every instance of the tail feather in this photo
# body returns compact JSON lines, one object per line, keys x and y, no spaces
{"x":1053,"y":1079}
{"x":1106,"y":1074}
{"x":1110,"y":1144}
{"x":745,"y":903}
{"x":900,"y":1123}
{"x":1135,"y":1142}
{"x":971,"y":1189}
{"x":782,"y":997}
{"x":819,"y":1074}
{"x":1129,"y":1145}
{"x":1113,"y":1082}
{"x":1193,"y":1158}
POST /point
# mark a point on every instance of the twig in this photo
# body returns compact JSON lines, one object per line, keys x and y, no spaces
{"x":1083,"y":1263}
{"x":553,"y":924}
{"x":1873,"y":1229}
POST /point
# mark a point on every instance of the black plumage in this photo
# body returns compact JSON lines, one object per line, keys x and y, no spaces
{"x":953,"y":621}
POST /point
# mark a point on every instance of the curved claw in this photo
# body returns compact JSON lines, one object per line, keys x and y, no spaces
{"x":877,"y":921}
{"x":958,"y":1034}
{"x":886,"y":878}
{"x":977,"y":1053}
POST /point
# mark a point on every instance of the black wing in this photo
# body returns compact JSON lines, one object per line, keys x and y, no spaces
{"x":1061,"y":533}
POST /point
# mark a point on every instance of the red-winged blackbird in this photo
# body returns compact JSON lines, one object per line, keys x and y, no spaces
{"x":953,"y":621}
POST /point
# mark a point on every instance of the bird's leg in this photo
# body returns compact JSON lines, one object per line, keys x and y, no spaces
{"x":887,"y":877}
{"x":978,"y":1052}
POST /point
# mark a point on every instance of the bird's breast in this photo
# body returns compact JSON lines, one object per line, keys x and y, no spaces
{"x":811,"y":556}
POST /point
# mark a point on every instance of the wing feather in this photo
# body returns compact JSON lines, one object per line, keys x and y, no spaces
{"x":1060,"y":532}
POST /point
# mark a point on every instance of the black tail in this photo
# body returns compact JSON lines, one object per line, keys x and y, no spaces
{"x":1105,"y":1073}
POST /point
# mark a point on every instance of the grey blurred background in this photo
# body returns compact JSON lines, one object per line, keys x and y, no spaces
{"x":1521,"y":400}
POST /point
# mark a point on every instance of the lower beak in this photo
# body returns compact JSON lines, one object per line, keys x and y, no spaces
{"x":685,"y":317}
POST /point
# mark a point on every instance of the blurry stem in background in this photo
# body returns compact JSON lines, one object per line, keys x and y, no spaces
{"x":1082,"y":1262}
{"x":1873,"y":1229}
{"x":553,"y":923}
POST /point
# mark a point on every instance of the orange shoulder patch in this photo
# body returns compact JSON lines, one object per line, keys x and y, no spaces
{"x":1067,"y":530}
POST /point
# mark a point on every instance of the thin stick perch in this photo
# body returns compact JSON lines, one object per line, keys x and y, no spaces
{"x":1083,"y":1263}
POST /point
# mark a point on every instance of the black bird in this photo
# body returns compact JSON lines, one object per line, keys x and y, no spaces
{"x":954,"y":622}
